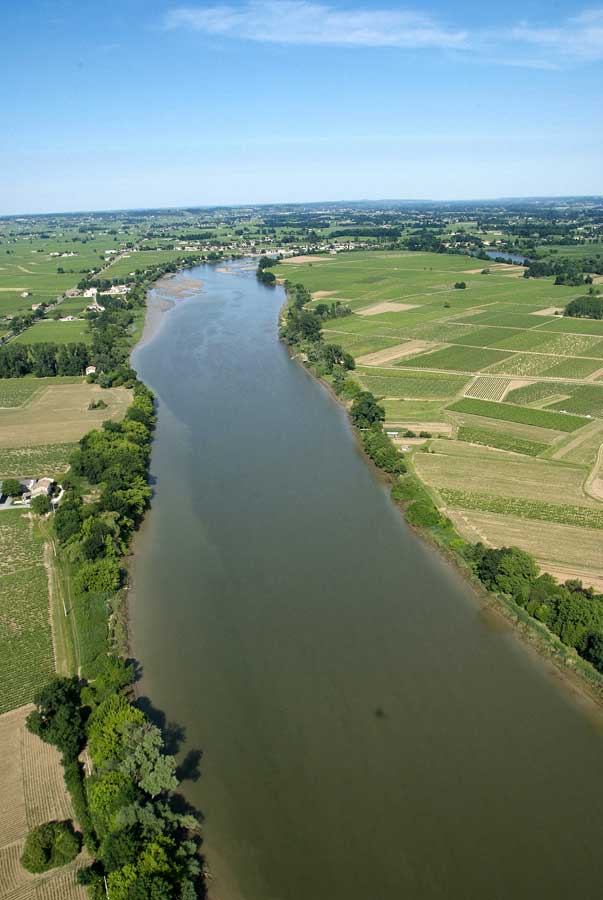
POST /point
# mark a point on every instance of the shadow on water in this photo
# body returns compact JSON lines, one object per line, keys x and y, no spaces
{"x":189,"y":769}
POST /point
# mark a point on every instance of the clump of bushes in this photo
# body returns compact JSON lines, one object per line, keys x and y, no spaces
{"x":460,"y":285}
{"x":50,"y":845}
{"x":572,"y":612}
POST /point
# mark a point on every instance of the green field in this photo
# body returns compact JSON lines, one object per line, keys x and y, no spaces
{"x":524,"y":509}
{"x":57,"y":332}
{"x":17,"y":391}
{"x":409,"y":385}
{"x":521,"y":414}
{"x":26,"y":661}
{"x":508,"y":438}
{"x":500,"y":440}
{"x":459,"y":359}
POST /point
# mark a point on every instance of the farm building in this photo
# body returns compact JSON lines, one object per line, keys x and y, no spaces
{"x":90,"y":370}
{"x":37,"y":487}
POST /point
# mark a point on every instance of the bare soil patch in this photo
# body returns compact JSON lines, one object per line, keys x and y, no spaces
{"x":514,"y":384}
{"x":386,"y":306}
{"x":433,"y":427}
{"x":300,"y":260}
{"x":392,"y":353}
{"x":548,"y":311}
{"x":318,"y":295}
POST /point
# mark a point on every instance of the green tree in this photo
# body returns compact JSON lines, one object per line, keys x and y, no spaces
{"x":12,"y":487}
{"x":57,"y":718}
{"x":40,"y":505}
{"x":366,"y":411}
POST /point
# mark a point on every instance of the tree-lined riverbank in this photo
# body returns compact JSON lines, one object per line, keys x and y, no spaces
{"x":348,"y":695}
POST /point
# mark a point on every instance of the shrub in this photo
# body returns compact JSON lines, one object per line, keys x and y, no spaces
{"x":50,"y":845}
{"x":460,"y":285}
{"x":419,"y":512}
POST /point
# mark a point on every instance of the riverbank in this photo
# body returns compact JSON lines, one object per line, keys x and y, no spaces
{"x":579,"y":677}
{"x":338,"y":676}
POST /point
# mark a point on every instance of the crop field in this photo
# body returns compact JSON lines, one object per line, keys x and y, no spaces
{"x":412,"y":410}
{"x":566,"y":551}
{"x":409,"y":385}
{"x":57,"y":332}
{"x":27,"y":658}
{"x":131,"y":262}
{"x":456,"y":358}
{"x":521,"y":414}
{"x":485,"y":388}
{"x":459,"y":465}
{"x":586,"y":399}
{"x":500,"y":441}
{"x":525,"y":432}
{"x":18,"y":391}
{"x":35,"y":461}
{"x":33,"y":791}
{"x":60,"y":415}
{"x":524,"y":509}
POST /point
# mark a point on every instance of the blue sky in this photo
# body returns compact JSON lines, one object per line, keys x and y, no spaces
{"x":137,"y":103}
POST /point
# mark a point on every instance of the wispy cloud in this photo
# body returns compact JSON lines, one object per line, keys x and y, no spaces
{"x":534,"y":45}
{"x":580,"y":37}
{"x":301,"y":22}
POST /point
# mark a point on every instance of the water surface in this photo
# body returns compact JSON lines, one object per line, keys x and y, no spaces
{"x":366,"y":733}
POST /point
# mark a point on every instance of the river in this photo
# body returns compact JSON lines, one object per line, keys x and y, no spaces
{"x":367,"y":731}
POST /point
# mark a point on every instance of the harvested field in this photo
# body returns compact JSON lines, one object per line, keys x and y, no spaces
{"x":385,"y":307}
{"x":300,"y":260}
{"x":566,"y":551}
{"x":471,"y":468}
{"x":392,"y":353}
{"x":33,"y":792}
{"x":61,"y":414}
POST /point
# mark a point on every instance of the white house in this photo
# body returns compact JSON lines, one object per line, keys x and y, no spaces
{"x":95,"y":307}
{"x":90,"y":292}
{"x":90,"y":370}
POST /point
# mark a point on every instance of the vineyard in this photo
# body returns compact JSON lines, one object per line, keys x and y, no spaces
{"x":484,"y":388}
{"x":35,"y":461}
{"x":27,"y":659}
{"x":17,"y":391}
{"x":410,"y":385}
{"x":500,"y":441}
{"x":456,"y":358}
{"x":523,"y":509}
{"x":521,"y":414}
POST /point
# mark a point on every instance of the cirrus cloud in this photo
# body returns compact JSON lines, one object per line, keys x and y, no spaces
{"x":304,"y":22}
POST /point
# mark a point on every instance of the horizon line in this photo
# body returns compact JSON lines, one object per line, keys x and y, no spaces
{"x":268,"y":203}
